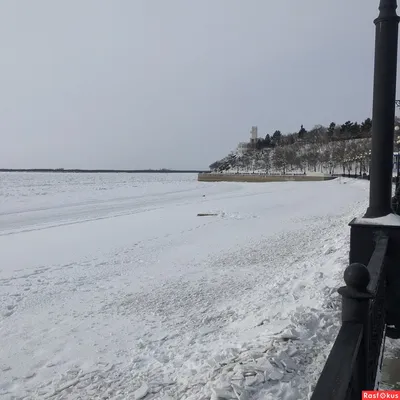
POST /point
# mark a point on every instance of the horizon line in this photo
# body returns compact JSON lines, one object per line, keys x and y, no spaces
{"x":82,"y":170}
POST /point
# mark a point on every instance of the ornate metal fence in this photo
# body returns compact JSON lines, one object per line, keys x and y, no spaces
{"x":356,"y":356}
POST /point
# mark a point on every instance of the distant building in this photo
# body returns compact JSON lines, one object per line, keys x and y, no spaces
{"x":244,"y":146}
{"x":253,"y":134}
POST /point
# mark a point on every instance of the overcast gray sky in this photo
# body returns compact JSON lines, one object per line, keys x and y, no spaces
{"x":174,"y":83}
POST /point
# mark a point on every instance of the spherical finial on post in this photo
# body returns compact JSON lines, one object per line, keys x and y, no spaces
{"x":355,"y":295}
{"x":357,"y":277}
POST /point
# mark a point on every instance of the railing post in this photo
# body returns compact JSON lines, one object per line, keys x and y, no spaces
{"x":355,"y":309}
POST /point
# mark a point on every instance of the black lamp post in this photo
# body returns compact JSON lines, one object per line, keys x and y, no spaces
{"x":384,"y":102}
{"x":363,"y":233}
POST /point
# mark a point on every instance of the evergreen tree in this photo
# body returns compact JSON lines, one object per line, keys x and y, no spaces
{"x":302,"y":132}
{"x":346,"y":128}
{"x":355,"y":130}
{"x":276,"y":137}
{"x":331,"y":129}
{"x":267,"y":140}
{"x":366,"y":126}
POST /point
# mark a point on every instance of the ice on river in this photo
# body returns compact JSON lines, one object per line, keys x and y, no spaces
{"x":111,"y":286}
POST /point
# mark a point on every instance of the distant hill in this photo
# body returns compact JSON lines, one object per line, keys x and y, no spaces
{"x":329,"y":149}
{"x":300,"y":157}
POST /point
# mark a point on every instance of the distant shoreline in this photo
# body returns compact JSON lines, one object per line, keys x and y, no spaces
{"x":103,"y":171}
{"x":210,"y":177}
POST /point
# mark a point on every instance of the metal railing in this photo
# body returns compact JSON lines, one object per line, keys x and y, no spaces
{"x":356,"y":356}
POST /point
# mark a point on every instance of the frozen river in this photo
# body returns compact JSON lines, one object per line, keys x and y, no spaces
{"x":111,"y":286}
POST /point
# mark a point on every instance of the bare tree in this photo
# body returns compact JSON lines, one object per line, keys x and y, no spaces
{"x":290,"y":156}
{"x":301,"y":162}
{"x":258,"y":161}
{"x":267,"y":160}
{"x":363,"y":150}
{"x":349,"y":166}
{"x":318,"y":134}
{"x":332,"y":161}
{"x":280,"y":159}
{"x":231,"y":160}
{"x":325,"y":158}
{"x":245,"y":161}
{"x":339,"y":154}
{"x":351,"y":154}
{"x":239,"y":163}
{"x":313,"y":156}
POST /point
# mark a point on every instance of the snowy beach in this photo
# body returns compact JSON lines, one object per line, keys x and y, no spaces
{"x":111,"y":286}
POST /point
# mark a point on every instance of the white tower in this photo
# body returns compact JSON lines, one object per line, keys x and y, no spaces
{"x":253,"y":134}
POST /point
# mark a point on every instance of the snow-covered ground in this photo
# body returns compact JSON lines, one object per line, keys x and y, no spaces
{"x":111,"y":286}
